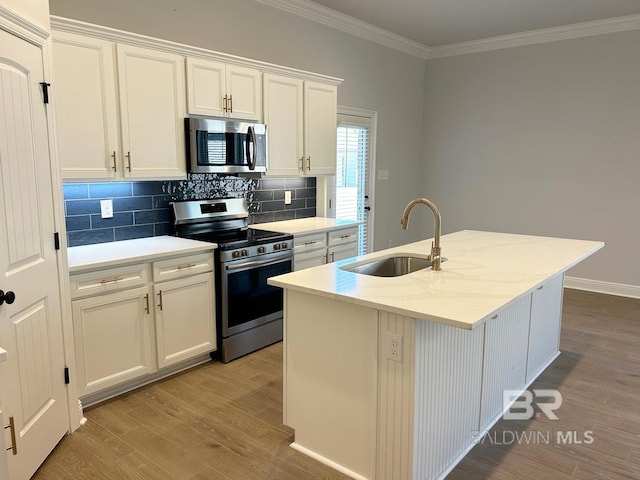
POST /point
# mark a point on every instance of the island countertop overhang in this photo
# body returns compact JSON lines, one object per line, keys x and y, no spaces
{"x":484,"y":272}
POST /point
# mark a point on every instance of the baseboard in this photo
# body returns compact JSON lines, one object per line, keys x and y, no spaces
{"x":326,"y":461}
{"x":610,"y":288}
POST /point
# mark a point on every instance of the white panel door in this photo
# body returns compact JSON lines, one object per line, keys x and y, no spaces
{"x":320,"y":133}
{"x":152,"y":109}
{"x":32,"y":377}
{"x":205,"y":87}
{"x":244,"y":87}
{"x":283,"y":114}
{"x":112,"y":336}
{"x":85,"y":99}
{"x":185,"y":318}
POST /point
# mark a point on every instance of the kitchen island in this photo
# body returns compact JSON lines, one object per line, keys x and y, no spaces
{"x":396,"y":377}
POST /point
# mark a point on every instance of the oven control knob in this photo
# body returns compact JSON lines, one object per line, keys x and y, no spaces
{"x":262,"y":250}
{"x":235,"y":254}
{"x":244,"y":253}
{"x":276,"y":246}
{"x":284,"y":244}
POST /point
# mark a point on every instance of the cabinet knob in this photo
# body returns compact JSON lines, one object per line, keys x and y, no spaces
{"x":9,"y":297}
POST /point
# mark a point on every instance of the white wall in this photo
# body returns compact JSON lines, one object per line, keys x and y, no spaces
{"x":375,"y":77}
{"x":542,"y":139}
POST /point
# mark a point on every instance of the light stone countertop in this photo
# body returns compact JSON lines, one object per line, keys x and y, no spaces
{"x":484,"y":272}
{"x":301,"y":226}
{"x":100,"y":255}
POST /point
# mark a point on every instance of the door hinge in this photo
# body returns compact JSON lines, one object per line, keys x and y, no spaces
{"x":66,"y":375}
{"x":56,"y":240}
{"x":45,"y":91}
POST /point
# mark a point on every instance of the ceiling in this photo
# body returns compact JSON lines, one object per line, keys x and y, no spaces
{"x":443,"y":22}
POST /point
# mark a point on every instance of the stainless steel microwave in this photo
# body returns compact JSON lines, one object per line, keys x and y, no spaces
{"x":222,"y":145}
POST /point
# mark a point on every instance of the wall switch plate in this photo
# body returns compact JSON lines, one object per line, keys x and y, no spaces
{"x":106,"y":208}
{"x":287,"y":197}
{"x":383,"y":174}
{"x":394,"y":347}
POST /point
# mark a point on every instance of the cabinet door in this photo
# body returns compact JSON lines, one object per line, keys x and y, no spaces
{"x":152,"y":109}
{"x":309,"y":259}
{"x":320,"y":125}
{"x":112,"y":338}
{"x":341,"y":252}
{"x":244,"y":90}
{"x":283,"y":114}
{"x":505,"y":357}
{"x":544,"y":330}
{"x":85,"y":101}
{"x":205,"y":87}
{"x":185,"y":318}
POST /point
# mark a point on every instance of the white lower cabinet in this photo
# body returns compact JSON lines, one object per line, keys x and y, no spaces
{"x":184,"y":318}
{"x":126,"y":327}
{"x":505,"y":357}
{"x":544,"y":329}
{"x":113,"y":335}
{"x":311,"y":250}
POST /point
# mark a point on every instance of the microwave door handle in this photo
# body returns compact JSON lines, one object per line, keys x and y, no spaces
{"x":251,"y":140}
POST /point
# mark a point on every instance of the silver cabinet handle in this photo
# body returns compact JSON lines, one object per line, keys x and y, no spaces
{"x":309,"y":163}
{"x":302,"y":164}
{"x":230,"y":103}
{"x":128,"y":157}
{"x":160,"y":299}
{"x":313,"y":242}
{"x":113,"y":157}
{"x":224,"y":104}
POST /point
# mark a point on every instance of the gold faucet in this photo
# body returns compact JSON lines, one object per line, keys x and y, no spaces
{"x":434,"y":257}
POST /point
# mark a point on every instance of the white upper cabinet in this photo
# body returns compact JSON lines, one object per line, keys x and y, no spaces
{"x":223,"y":90}
{"x":283,"y":114}
{"x":152,"y":110}
{"x":301,"y":124}
{"x":320,"y":128}
{"x":124,"y":122}
{"x":86,"y":107}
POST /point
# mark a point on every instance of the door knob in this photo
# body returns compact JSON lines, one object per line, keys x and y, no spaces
{"x":8,"y":297}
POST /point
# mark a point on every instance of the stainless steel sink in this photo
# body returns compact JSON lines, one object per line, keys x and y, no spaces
{"x":390,"y":266}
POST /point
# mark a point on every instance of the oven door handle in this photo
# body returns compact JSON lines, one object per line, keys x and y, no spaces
{"x":258,"y":263}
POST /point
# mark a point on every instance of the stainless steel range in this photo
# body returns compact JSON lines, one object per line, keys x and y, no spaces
{"x":249,"y":312}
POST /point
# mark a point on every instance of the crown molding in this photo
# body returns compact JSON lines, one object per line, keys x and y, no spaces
{"x":532,"y":37}
{"x":20,"y":26}
{"x":69,"y":25}
{"x":326,"y":16}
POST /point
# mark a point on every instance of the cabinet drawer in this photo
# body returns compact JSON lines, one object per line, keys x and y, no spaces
{"x":108,"y":280}
{"x":346,"y":235}
{"x":182,"y":266}
{"x":309,"y":242}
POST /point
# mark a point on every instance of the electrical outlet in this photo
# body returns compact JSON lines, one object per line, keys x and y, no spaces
{"x":287,"y":197}
{"x":394,"y":347}
{"x":106,"y":208}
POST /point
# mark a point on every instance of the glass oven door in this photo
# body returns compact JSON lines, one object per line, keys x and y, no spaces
{"x":247,"y":300}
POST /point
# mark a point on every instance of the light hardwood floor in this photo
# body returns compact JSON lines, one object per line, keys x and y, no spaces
{"x":225,"y":421}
